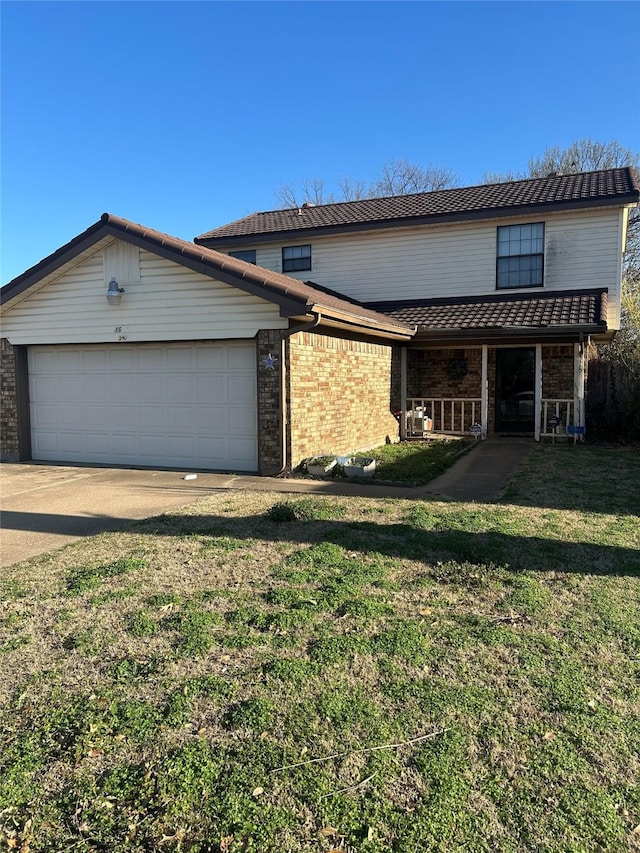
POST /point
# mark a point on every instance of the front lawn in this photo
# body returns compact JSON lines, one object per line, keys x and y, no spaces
{"x":259,"y":672}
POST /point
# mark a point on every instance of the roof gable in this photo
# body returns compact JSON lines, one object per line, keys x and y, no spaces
{"x":555,"y":192}
{"x":294,"y":298}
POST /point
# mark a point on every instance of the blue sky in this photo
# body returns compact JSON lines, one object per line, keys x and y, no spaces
{"x":186,"y":115}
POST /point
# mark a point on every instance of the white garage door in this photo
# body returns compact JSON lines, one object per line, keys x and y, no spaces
{"x":190,"y":405}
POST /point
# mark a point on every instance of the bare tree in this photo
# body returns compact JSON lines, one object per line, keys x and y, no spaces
{"x":312,"y":190}
{"x":583,"y":155}
{"x":397,"y":177}
{"x":501,"y":177}
{"x":400,"y":177}
{"x":352,"y":189}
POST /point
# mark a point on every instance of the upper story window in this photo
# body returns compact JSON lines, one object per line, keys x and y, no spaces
{"x":296,"y":258}
{"x":248,"y":255}
{"x":520,"y":255}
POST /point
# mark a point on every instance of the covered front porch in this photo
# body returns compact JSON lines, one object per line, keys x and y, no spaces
{"x":535,"y":390}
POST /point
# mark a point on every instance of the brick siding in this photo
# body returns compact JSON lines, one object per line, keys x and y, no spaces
{"x":269,"y":412}
{"x":340,"y":395}
{"x":428,"y":373}
{"x":9,"y":444}
{"x":557,"y":372}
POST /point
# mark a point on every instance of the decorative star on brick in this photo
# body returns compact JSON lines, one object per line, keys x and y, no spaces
{"x":269,"y":362}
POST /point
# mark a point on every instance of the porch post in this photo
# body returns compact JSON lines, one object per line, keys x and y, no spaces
{"x":578,"y":385}
{"x":403,"y":393}
{"x":537,"y":399}
{"x":484,"y":391}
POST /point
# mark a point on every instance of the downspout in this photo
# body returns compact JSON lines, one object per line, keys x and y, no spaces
{"x":303,"y":327}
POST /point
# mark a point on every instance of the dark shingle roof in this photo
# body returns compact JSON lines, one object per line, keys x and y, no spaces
{"x":585,"y":189}
{"x":574,"y":308}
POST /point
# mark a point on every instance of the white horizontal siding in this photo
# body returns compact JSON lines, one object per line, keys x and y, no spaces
{"x":581,"y":250}
{"x":170,"y":302}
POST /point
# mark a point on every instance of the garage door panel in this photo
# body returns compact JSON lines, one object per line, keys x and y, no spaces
{"x":211,"y":388}
{"x":158,"y":405}
{"x":150,"y":359}
{"x":70,"y":417}
{"x":95,"y":360}
{"x":98,"y":444}
{"x":180,"y":417}
{"x":213,"y":358}
{"x":180,"y":358}
{"x":240,"y":389}
{"x":123,"y":417}
{"x":122,"y":358}
{"x":243,"y":421}
{"x":121,"y":388}
{"x":240,"y":358}
{"x":94,"y":388}
{"x":215,"y":450}
{"x":152,"y":388}
{"x":152,"y":418}
{"x":69,"y":442}
{"x":93,"y":417}
{"x":239,"y":447}
{"x":125,"y":444}
{"x":66,"y":362}
{"x":214,"y":419}
{"x":40,"y":361}
{"x":45,"y":417}
{"x":181,"y":389}
{"x":40,"y":388}
{"x":46,"y":442}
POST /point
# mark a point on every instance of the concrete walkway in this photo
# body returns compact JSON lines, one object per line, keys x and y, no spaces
{"x":47,"y":506}
{"x":481,"y":474}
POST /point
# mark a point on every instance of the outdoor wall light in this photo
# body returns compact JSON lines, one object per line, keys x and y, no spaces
{"x":114,"y":293}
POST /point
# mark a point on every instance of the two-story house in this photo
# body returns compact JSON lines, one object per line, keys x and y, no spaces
{"x":325,"y":328}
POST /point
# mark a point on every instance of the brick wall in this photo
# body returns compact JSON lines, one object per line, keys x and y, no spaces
{"x":9,"y":445}
{"x":340,"y":395}
{"x":437,"y":373}
{"x":269,"y":413}
{"x":557,"y":372}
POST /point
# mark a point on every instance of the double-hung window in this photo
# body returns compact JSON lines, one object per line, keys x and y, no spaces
{"x":296,"y":258}
{"x":520,"y":255}
{"x":248,"y":255}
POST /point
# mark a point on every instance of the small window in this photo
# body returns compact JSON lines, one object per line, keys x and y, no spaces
{"x":296,"y":258}
{"x":520,"y":255}
{"x":248,"y":255}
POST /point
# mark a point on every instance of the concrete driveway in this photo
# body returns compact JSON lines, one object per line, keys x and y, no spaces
{"x":47,"y":506}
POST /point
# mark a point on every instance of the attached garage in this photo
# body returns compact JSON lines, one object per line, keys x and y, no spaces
{"x":180,"y":405}
{"x":130,"y":347}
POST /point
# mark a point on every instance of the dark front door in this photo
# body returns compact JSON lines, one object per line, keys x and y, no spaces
{"x":515,"y":383}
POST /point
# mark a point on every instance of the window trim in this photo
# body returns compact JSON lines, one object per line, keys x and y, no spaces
{"x":295,"y":264}
{"x":500,"y":257}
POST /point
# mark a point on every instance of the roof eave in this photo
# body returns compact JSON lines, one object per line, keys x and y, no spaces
{"x":366,"y":325}
{"x":506,"y":334}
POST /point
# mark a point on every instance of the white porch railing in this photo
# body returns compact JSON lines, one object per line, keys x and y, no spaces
{"x":563,"y":410}
{"x":442,"y":415}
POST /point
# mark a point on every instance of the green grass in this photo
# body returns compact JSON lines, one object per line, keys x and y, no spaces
{"x":416,"y":462}
{"x":335,"y":674}
{"x":410,"y":463}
